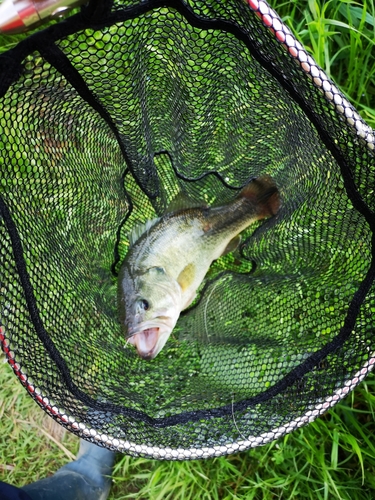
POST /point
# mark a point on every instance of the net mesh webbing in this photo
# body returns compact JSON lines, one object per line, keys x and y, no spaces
{"x":104,"y":118}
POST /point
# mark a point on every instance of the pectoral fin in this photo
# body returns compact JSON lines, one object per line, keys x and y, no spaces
{"x":186,"y":277}
{"x":232,"y":245}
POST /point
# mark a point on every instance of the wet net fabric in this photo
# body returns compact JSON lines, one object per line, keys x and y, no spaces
{"x":104,"y":119}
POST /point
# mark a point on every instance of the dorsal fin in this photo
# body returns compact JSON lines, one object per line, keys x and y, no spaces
{"x":140,"y":229}
{"x":180,"y":201}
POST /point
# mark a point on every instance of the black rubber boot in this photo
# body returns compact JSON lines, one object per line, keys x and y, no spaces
{"x":87,"y":478}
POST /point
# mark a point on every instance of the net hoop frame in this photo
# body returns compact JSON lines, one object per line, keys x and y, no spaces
{"x":350,"y":116}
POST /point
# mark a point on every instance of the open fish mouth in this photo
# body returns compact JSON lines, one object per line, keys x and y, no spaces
{"x":146,"y":342}
{"x":145,"y":326}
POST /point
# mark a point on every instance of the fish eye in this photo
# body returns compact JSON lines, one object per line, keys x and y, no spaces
{"x":144,"y":304}
{"x":160,"y":270}
{"x":157,"y":270}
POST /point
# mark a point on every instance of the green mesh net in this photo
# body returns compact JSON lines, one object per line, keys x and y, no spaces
{"x":104,"y":118}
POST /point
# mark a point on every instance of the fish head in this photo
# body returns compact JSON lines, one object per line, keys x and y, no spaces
{"x":150,"y":304}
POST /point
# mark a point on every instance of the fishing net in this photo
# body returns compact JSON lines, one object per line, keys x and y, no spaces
{"x":104,"y":119}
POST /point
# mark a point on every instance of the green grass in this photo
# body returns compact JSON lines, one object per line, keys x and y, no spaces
{"x":340,"y":35}
{"x":332,"y":458}
{"x":30,"y":444}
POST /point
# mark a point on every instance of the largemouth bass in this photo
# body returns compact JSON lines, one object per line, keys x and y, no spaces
{"x":169,"y":257}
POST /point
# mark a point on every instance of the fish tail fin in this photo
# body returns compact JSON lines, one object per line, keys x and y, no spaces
{"x":263,"y":194}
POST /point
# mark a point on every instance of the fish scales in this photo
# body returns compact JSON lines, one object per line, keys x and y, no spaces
{"x":167,"y":263}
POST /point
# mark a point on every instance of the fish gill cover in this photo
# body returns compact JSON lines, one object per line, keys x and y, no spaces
{"x":104,"y":119}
